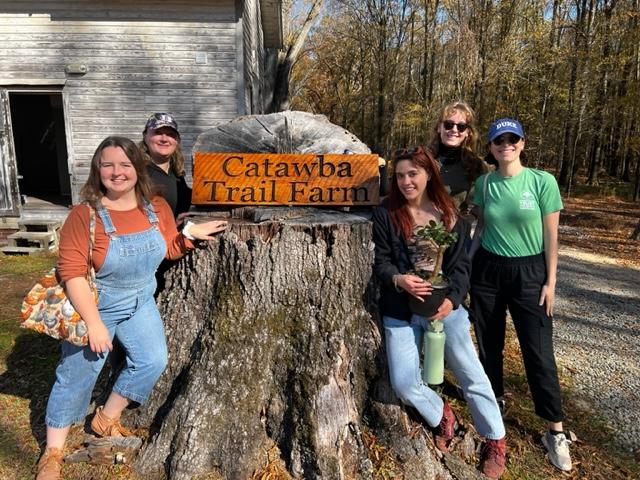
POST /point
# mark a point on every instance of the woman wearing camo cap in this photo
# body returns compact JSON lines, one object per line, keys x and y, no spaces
{"x":161,"y":148}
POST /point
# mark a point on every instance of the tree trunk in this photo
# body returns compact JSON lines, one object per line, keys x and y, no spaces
{"x":275,"y":350}
{"x":270,"y":344}
{"x":286,"y":59}
{"x":636,"y":232}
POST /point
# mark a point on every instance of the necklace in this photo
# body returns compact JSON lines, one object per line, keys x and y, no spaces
{"x":422,"y":216}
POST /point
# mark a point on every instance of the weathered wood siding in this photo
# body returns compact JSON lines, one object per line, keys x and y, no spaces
{"x":141,"y":57}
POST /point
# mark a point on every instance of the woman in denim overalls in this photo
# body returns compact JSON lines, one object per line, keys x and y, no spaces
{"x":126,"y":261}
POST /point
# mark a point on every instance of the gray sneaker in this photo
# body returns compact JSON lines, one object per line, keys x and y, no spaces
{"x":557,"y":450}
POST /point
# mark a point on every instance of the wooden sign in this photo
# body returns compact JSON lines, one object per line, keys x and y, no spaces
{"x":285,"y":179}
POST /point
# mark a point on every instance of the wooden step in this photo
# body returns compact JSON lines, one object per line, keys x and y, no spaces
{"x":22,"y":250}
{"x":42,"y":240}
{"x":39,"y":225}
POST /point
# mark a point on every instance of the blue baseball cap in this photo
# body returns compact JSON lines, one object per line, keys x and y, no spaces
{"x":505,"y":125}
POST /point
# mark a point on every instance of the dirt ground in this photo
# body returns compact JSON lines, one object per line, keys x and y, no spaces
{"x":602,"y":226}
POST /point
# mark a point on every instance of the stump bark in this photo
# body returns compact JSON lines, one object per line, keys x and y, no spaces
{"x":274,"y":341}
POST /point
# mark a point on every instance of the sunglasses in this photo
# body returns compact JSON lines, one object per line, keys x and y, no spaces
{"x":448,"y":125}
{"x":404,"y":153}
{"x":506,"y":138}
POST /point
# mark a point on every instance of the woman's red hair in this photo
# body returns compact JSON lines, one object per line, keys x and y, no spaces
{"x":436,"y":192}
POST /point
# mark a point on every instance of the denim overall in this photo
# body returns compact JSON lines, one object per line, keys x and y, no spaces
{"x":126,"y":284}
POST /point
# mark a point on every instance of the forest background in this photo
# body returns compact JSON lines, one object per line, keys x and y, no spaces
{"x":569,"y":70}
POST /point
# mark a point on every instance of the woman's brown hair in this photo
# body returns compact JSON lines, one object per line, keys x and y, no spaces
{"x":436,"y":192}
{"x":93,"y":190}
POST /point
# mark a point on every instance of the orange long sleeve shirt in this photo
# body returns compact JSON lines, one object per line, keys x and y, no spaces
{"x":73,"y":255}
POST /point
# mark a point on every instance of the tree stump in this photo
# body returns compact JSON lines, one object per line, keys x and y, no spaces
{"x":274,"y":342}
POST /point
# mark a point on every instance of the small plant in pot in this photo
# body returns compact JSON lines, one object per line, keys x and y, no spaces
{"x":437,"y":233}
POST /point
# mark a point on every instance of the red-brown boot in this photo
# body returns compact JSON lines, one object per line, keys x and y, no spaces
{"x":50,"y":465}
{"x":492,"y":459}
{"x":445,"y":432}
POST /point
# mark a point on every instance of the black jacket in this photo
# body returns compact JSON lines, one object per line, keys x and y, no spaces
{"x":174,"y":189}
{"x":392,"y":258}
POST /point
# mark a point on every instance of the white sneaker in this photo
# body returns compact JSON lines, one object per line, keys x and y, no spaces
{"x":557,"y":450}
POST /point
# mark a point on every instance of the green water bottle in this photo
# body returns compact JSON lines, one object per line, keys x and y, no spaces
{"x":433,"y":349}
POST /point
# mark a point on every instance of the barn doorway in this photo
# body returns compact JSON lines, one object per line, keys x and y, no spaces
{"x":40,"y":144}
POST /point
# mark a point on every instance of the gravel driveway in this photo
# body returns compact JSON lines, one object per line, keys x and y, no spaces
{"x":597,"y":337}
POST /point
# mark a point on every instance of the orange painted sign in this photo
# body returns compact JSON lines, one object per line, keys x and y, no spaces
{"x":285,"y":179}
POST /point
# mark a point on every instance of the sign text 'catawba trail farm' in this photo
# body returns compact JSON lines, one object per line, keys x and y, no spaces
{"x":285,"y":179}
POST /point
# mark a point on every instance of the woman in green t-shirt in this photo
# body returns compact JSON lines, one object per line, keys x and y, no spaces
{"x":515,"y":268}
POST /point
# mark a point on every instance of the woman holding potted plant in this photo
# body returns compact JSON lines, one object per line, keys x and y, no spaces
{"x":515,"y":268}
{"x":417,"y":198}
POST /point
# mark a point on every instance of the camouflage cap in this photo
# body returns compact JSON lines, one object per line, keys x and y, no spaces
{"x":159,"y":120}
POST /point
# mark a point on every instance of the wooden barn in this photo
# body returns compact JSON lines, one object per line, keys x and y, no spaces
{"x":74,"y":71}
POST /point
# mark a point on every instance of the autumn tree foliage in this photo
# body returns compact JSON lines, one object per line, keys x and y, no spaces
{"x":568,"y":69}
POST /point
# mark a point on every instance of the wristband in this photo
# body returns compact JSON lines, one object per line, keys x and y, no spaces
{"x":394,"y":279}
{"x":186,"y":228}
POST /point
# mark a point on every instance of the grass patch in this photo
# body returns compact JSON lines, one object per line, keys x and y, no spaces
{"x":27,"y":361}
{"x":27,"y":371}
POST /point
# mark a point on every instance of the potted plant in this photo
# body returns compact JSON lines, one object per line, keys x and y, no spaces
{"x":437,"y":233}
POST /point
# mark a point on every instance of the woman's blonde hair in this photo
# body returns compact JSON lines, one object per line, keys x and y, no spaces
{"x":93,"y":190}
{"x":471,"y":161}
{"x":471,"y":142}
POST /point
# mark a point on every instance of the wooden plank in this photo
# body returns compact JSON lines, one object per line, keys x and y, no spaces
{"x":151,"y":65}
{"x":114,"y":11}
{"x":224,"y":43}
{"x":142,"y":91}
{"x":17,"y":23}
{"x":71,"y":53}
{"x":215,"y":87}
{"x":285,"y":179}
{"x":225,"y":35}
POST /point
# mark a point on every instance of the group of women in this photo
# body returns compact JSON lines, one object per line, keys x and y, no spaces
{"x":137,"y":196}
{"x":510,"y":264}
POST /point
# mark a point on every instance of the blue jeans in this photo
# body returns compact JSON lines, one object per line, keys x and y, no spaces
{"x":403,"y":343}
{"x":126,"y":284}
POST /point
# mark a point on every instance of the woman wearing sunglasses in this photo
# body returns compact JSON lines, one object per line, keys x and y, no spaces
{"x":454,"y":144}
{"x":417,"y":197}
{"x":515,"y":268}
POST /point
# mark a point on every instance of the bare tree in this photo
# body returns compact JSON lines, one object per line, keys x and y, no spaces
{"x":287,"y":58}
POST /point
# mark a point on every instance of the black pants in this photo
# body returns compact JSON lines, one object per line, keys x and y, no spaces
{"x":500,"y":282}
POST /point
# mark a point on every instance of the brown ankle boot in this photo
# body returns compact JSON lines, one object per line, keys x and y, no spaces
{"x":50,"y":465}
{"x":104,"y":426}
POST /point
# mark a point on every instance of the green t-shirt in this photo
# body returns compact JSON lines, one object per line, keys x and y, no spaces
{"x":513,"y":209}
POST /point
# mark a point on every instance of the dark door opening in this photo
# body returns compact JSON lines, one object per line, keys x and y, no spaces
{"x":40,"y":146}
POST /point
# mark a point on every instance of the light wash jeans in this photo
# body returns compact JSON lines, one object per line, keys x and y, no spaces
{"x":404,"y":342}
{"x":126,"y":284}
